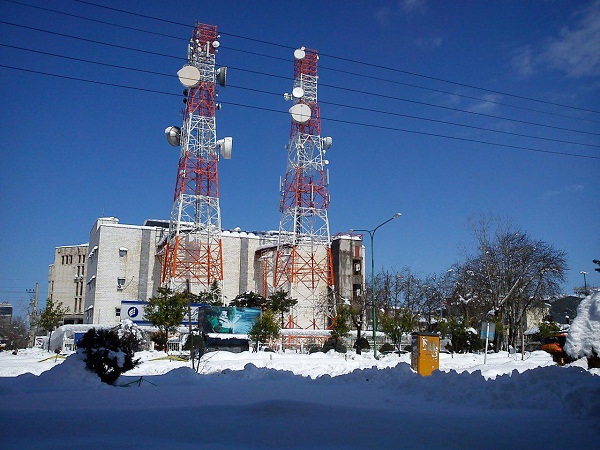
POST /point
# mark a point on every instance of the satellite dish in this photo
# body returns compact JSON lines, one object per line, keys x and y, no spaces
{"x":216,"y":44}
{"x":299,"y":53}
{"x":298,"y":92}
{"x":173,"y":135}
{"x":226,"y":145}
{"x":189,"y":76}
{"x":222,"y":76}
{"x":300,"y":113}
{"x":327,"y":142}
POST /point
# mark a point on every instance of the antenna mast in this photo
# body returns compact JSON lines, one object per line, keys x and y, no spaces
{"x":193,"y":249}
{"x":303,"y":263}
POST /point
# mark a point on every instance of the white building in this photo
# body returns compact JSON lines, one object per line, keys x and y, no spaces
{"x":66,"y":280}
{"x":122,"y":265}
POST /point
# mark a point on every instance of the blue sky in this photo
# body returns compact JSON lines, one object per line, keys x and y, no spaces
{"x":74,"y":151}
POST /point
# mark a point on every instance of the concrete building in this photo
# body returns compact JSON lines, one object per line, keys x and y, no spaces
{"x":66,"y":280}
{"x":122,"y":264}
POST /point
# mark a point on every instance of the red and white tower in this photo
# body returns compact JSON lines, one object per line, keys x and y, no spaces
{"x":193,"y":249}
{"x":303,"y":264}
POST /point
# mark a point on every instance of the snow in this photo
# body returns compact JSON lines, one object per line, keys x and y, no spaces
{"x":584,"y":334}
{"x":292,"y":400}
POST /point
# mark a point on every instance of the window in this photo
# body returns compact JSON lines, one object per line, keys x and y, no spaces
{"x":120,"y":283}
{"x":122,"y":252}
{"x":118,"y":312}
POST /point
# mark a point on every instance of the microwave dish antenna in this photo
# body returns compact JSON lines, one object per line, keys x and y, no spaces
{"x":189,"y":76}
{"x":300,"y":112}
{"x":173,"y":135}
{"x":298,"y":92}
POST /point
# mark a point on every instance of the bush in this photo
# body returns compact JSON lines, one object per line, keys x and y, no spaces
{"x":387,"y":348}
{"x":334,"y":344}
{"x":362,"y":343}
{"x":108,"y":354}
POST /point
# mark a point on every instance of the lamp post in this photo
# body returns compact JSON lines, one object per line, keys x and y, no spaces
{"x":585,"y":292}
{"x":372,"y":236}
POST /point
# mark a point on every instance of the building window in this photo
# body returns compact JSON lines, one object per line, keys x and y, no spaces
{"x":122,"y":252}
{"x":118,"y":312}
{"x":356,"y":266}
{"x":120,"y":283}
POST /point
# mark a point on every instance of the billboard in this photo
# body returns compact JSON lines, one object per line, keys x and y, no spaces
{"x":212,"y":319}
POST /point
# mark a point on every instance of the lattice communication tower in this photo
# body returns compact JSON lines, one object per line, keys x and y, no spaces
{"x":193,"y":249}
{"x":303,"y":263}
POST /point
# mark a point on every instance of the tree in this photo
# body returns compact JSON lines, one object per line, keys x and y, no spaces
{"x":109,"y":354}
{"x":339,"y":329}
{"x":51,"y":316}
{"x":509,"y":273}
{"x":264,"y":329}
{"x":249,"y":300}
{"x":397,"y":323}
{"x":280,"y":303}
{"x":211,"y":296}
{"x":166,"y":311}
{"x":15,"y":333}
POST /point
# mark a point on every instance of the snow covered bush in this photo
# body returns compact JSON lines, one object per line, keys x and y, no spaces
{"x":584,"y":334}
{"x":109,"y":353}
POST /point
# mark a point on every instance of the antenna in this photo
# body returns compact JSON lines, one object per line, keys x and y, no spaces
{"x":222,"y":76}
{"x":189,"y":76}
{"x":300,"y":112}
{"x":173,"y":135}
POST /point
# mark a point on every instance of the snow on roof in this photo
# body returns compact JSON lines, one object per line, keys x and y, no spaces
{"x":584,"y":334}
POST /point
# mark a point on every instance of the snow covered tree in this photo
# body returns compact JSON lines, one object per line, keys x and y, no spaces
{"x":397,"y":323}
{"x":166,"y":311}
{"x":14,"y":332}
{"x":340,"y":328}
{"x":508,"y":274}
{"x":109,"y":354}
{"x":249,"y":300}
{"x":51,"y":316}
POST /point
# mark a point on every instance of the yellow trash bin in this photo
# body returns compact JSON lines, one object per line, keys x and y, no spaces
{"x":425,"y":357}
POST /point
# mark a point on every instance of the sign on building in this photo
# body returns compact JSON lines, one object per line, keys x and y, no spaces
{"x":212,"y":319}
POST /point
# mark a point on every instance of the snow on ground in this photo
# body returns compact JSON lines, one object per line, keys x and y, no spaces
{"x":273,"y":400}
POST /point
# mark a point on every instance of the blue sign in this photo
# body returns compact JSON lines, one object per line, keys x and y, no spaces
{"x":133,"y":311}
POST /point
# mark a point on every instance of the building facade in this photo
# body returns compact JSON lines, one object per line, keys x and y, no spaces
{"x":121,"y":264}
{"x":66,"y":280}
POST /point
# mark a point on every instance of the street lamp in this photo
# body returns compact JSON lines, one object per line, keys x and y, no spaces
{"x":372,"y":235}
{"x":585,"y":292}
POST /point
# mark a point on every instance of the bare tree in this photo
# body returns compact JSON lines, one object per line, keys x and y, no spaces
{"x":509,"y":273}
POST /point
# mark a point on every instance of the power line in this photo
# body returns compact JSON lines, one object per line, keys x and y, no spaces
{"x":354,"y":61}
{"x":325,"y":85}
{"x":333,"y":57}
{"x":531,"y":149}
{"x":409,"y":116}
{"x":123,"y":47}
{"x":87,"y":61}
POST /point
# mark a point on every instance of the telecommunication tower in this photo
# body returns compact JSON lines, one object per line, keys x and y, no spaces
{"x":193,"y":249}
{"x":303,"y":264}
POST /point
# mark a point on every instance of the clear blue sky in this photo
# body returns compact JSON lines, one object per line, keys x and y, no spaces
{"x":74,"y":151}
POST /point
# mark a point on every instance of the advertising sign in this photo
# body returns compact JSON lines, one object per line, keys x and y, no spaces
{"x":212,"y":319}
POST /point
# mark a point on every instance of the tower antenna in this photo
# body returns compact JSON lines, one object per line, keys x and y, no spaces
{"x":193,"y":249}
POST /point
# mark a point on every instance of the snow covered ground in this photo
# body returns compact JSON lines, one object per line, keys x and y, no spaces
{"x":272,"y":400}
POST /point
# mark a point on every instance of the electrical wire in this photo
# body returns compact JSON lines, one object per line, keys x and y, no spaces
{"x":372,"y":77}
{"x":324,"y":85}
{"x":87,"y":61}
{"x":531,"y":149}
{"x":354,"y":61}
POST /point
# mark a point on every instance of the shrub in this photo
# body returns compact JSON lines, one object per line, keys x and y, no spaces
{"x":362,"y":343}
{"x":387,"y":348}
{"x":108,"y":354}
{"x":334,"y":344}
